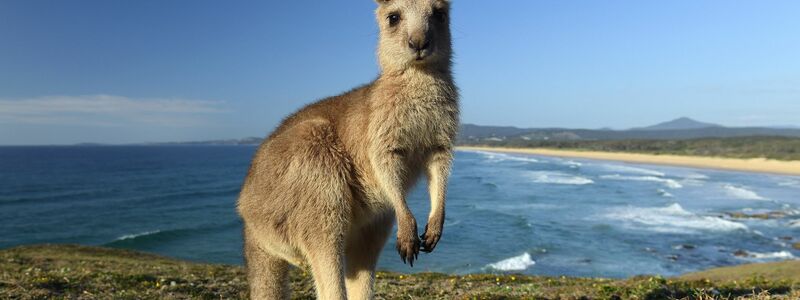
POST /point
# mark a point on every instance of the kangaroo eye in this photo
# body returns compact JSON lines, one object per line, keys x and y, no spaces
{"x":393,"y":18}
{"x":440,"y":15}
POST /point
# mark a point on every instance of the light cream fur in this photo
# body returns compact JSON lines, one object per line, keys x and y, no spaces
{"x":326,"y":186}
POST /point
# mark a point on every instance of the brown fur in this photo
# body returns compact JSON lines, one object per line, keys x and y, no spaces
{"x":326,"y":186}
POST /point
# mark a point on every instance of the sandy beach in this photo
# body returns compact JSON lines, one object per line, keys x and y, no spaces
{"x":759,"y":165}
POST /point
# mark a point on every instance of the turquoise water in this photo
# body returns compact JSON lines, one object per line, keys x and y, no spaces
{"x":505,"y":213}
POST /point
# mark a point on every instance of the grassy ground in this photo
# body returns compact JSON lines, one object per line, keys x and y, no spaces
{"x":79,"y":272}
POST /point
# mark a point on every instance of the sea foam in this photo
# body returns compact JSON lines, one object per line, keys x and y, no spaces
{"x":670,"y":219}
{"x":670,"y":183}
{"x":741,"y":193}
{"x":518,"y":263}
{"x":551,"y":177}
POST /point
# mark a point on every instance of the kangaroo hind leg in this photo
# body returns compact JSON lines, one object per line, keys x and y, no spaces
{"x":267,"y":275}
{"x":363,"y":250}
{"x":322,"y":203}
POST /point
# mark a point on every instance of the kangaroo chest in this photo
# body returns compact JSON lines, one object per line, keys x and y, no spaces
{"x":413,"y":117}
{"x":413,"y":121}
{"x":415,"y":129}
{"x":423,"y":123}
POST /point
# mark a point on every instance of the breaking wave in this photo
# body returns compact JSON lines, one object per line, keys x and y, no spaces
{"x":156,"y":237}
{"x":633,"y":170}
{"x":696,"y":176}
{"x":149,"y":238}
{"x":790,"y":183}
{"x":781,"y":255}
{"x":741,"y":193}
{"x":664,"y":193}
{"x":671,"y":219}
{"x":558,"y":178}
{"x":136,"y":235}
{"x":670,"y":183}
{"x":518,"y":263}
{"x":500,"y":157}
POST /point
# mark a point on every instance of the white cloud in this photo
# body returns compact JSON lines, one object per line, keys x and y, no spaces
{"x":107,"y":110}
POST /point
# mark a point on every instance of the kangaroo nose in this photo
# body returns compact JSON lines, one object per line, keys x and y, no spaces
{"x":419,"y":43}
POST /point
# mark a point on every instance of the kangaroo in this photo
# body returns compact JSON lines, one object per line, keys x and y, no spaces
{"x":325,"y":188}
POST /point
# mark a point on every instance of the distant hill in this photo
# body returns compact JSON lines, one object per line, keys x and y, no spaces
{"x":244,"y":141}
{"x":680,"y":124}
{"x":490,"y":131}
{"x":679,"y":129}
{"x":785,"y":127}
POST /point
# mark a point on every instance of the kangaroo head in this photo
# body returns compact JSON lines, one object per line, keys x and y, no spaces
{"x":414,"y":34}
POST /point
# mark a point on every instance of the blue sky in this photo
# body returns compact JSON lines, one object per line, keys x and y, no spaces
{"x":135,"y":71}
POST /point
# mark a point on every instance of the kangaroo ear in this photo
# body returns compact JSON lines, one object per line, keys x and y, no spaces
{"x":382,"y":2}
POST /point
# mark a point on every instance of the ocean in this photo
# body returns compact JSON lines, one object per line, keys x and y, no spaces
{"x":505,"y":212}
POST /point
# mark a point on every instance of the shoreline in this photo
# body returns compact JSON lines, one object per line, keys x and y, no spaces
{"x":754,"y":165}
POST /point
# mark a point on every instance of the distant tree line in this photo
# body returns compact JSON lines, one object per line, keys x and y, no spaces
{"x":771,"y":147}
